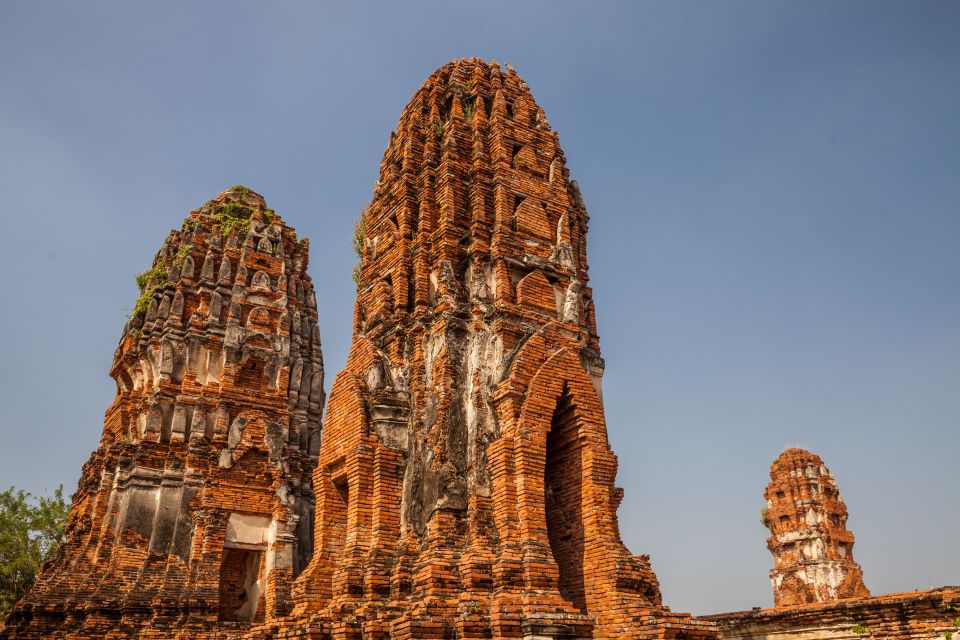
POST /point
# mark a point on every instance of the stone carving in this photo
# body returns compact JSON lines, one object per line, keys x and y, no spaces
{"x":195,"y":512}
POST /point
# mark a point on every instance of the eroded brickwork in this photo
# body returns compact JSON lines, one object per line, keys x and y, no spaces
{"x":204,"y":467}
{"x":811,"y":546}
{"x":471,"y":400}
{"x":916,"y":615}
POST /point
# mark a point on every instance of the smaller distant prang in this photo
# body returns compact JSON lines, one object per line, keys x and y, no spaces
{"x":818,"y":589}
{"x":811,"y":546}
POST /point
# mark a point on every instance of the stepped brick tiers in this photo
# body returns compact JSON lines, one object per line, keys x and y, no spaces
{"x":818,"y":589}
{"x":812,"y":549}
{"x":465,"y":486}
{"x":195,"y":513}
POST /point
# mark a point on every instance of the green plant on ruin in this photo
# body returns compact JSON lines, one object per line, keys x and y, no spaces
{"x":136,"y":333}
{"x":859,"y":629}
{"x":233,"y":215}
{"x":189,"y":225}
{"x":359,"y":242}
{"x":360,"y":234}
{"x":765,"y":518}
{"x":469,"y":108}
{"x":268,"y":215}
{"x":436,"y":128}
{"x":181,"y":256}
{"x":148,"y":282}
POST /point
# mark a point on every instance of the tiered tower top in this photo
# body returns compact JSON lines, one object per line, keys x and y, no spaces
{"x":474,"y":205}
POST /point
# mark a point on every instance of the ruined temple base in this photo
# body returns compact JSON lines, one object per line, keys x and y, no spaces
{"x":393,"y":625}
{"x":904,"y":616}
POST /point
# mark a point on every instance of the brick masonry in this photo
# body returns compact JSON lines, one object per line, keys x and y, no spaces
{"x":206,"y":450}
{"x":465,"y":486}
{"x":811,"y":546}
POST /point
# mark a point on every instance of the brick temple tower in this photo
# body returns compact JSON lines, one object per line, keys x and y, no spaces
{"x":196,"y":510}
{"x":465,"y":486}
{"x":812,"y":549}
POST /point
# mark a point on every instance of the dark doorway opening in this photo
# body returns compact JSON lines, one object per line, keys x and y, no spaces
{"x":241,"y":586}
{"x":338,"y":513}
{"x":563,"y":477}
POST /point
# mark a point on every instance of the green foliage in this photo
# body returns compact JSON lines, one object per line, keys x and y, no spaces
{"x":189,"y":224}
{"x":268,"y":215}
{"x":468,"y":109}
{"x":148,"y":282}
{"x":413,"y":243}
{"x":233,"y":215}
{"x":859,"y":629}
{"x":359,"y":242}
{"x":436,"y":128}
{"x":181,"y":256}
{"x":765,"y":518}
{"x":360,"y":234}
{"x":956,"y":622}
{"x":31,"y":530}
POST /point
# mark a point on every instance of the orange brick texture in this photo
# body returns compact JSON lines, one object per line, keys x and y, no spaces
{"x":811,"y":546}
{"x":917,"y":615}
{"x":465,"y":484}
{"x":219,"y":396}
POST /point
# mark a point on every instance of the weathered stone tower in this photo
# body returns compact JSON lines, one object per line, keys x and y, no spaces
{"x":196,"y":510}
{"x":812,"y":549}
{"x":465,"y":486}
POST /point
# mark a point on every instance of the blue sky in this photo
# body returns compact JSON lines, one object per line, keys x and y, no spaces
{"x":774,"y":191}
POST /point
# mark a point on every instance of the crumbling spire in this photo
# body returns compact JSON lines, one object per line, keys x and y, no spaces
{"x":811,"y":546}
{"x":465,"y":486}
{"x":195,"y":511}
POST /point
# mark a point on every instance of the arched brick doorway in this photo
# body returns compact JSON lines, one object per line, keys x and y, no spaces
{"x":563,"y":499}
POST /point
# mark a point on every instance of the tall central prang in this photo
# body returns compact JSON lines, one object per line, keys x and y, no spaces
{"x":465,"y":486}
